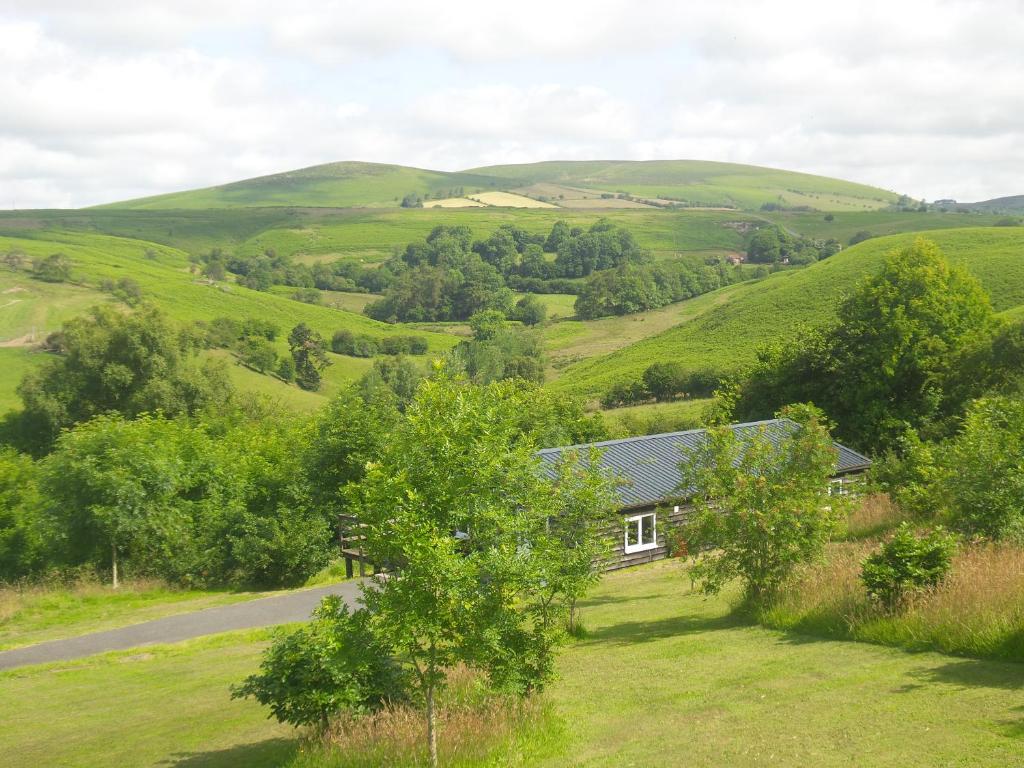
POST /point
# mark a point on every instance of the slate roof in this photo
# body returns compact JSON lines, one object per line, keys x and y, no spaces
{"x":649,"y":465}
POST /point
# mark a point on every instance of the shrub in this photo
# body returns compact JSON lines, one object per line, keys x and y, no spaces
{"x":906,"y":563}
{"x":335,"y":664}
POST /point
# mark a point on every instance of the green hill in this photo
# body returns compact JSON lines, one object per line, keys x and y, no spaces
{"x":334,"y":185}
{"x":30,"y":309}
{"x":727,"y":326}
{"x":696,"y":182}
{"x":701,"y":182}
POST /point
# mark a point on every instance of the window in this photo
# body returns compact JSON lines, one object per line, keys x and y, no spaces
{"x":838,"y":487}
{"x":641,"y":533}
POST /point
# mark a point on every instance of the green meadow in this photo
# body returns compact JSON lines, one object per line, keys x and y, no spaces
{"x":664,"y":676}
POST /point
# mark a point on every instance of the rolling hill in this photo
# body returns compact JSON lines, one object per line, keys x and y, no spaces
{"x":726,"y":327}
{"x":700,"y":182}
{"x":334,"y":185}
{"x":691,"y":182}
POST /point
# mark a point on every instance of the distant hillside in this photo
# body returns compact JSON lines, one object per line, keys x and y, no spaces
{"x":334,"y":185}
{"x":727,"y":326}
{"x":585,"y":184}
{"x":701,"y":182}
{"x":1012,"y":204}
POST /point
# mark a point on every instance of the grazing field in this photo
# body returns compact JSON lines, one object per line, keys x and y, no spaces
{"x":843,"y":226}
{"x":700,"y":182}
{"x":726,"y":337}
{"x":15,"y":362}
{"x":706,"y":688}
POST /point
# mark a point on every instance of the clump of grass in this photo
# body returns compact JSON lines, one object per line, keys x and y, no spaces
{"x":871,"y":516}
{"x":977,"y":611}
{"x":474,"y":727}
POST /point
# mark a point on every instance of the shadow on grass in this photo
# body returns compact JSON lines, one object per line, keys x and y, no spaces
{"x":592,"y":602}
{"x":260,"y":754}
{"x":976,"y":673}
{"x":1013,"y":729}
{"x":673,"y":626}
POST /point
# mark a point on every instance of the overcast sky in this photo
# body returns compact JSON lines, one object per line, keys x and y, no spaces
{"x":105,"y":100}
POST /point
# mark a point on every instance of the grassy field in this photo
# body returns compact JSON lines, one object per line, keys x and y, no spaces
{"x":700,"y":182}
{"x":664,"y":677}
{"x":163,"y":275}
{"x":879,"y":223}
{"x":14,"y":364}
{"x":725,"y":337}
{"x":653,"y":418}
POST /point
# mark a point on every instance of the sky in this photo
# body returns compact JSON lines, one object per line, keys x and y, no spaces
{"x":103,"y":100}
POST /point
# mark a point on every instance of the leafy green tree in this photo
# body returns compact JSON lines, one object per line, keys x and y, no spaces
{"x":529,"y":310}
{"x":111,"y":487}
{"x":286,"y":369}
{"x":761,"y":503}
{"x":487,"y":324}
{"x":24,"y":536}
{"x":457,"y":504}
{"x":398,"y":377}
{"x":309,"y":352}
{"x":334,"y":664}
{"x":55,"y":268}
{"x":664,"y":380}
{"x":109,"y":361}
{"x":981,"y":476}
{"x":884,"y":367}
{"x":765,"y":246}
{"x":258,"y":353}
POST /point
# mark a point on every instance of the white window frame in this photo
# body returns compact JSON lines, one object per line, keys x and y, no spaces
{"x":635,"y":521}
{"x":839,"y":486}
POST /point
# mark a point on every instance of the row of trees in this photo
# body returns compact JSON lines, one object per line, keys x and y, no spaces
{"x":662,"y":381}
{"x":634,"y":288}
{"x":448,"y":276}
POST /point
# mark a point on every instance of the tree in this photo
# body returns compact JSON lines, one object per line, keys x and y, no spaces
{"x":981,"y":479}
{"x":885,"y":366}
{"x":258,"y":353}
{"x":456,"y":503}
{"x":55,"y":268}
{"x":25,"y":540}
{"x":335,"y":663}
{"x":487,"y":324}
{"x":761,"y":503}
{"x":765,"y":246}
{"x":664,"y":380}
{"x":309,"y":352}
{"x":112,"y":362}
{"x":529,"y":310}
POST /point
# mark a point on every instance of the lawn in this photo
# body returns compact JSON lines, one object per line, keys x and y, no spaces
{"x":664,"y":677}
{"x":652,"y":418}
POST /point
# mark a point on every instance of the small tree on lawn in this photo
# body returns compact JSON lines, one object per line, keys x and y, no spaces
{"x":581,"y":528}
{"x":458,"y":506}
{"x":761,"y":503}
{"x":335,"y":663}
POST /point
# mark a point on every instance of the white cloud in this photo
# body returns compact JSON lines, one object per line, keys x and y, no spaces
{"x":104,"y":100}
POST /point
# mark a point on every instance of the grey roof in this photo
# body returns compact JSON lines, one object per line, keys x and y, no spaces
{"x":648,"y":466}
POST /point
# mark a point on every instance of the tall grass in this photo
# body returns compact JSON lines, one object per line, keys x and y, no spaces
{"x":475,"y":728}
{"x":977,"y":611}
{"x":871,"y":516}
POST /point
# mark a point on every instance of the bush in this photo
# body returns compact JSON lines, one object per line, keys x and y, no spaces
{"x":907,"y":563}
{"x":335,"y":664}
{"x":529,"y":310}
{"x":307,"y":295}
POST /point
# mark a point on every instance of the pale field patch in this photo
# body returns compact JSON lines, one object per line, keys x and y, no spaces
{"x":508,"y":200}
{"x":454,"y":202}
